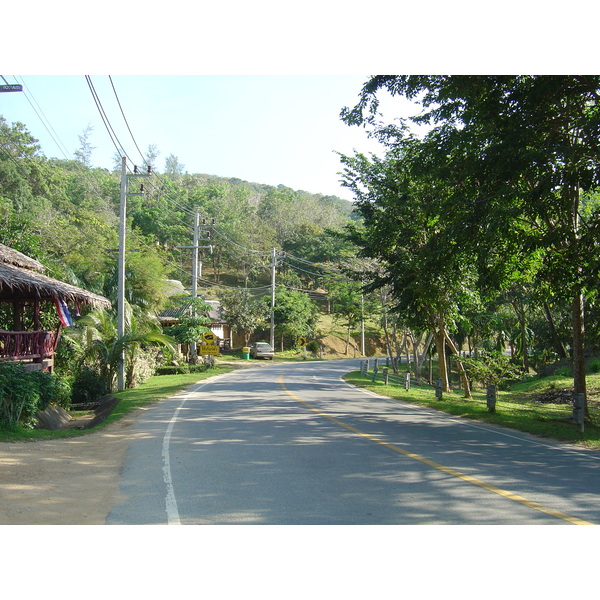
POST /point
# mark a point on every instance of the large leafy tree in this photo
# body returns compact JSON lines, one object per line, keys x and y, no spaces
{"x":244,"y":313}
{"x":518,"y":153}
{"x":406,"y":229}
{"x":295,"y":314}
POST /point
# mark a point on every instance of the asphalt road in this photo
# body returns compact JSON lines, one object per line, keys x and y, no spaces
{"x":293,"y":444}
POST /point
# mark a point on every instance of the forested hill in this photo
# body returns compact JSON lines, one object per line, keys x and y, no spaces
{"x":65,"y":213}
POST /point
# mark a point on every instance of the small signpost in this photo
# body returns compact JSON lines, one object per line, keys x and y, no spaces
{"x":11,"y":87}
{"x":210,"y":345}
{"x":302,"y":344}
{"x":209,"y":349}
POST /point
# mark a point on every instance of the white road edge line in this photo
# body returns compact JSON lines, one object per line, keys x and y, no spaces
{"x":171,"y":500}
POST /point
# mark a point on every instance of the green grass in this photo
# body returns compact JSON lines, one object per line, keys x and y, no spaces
{"x":515,"y":408}
{"x":155,"y":389}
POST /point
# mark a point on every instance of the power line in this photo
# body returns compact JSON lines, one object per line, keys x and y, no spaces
{"x":115,"y":140}
{"x":124,"y":118}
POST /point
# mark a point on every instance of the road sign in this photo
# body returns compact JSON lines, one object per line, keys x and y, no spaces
{"x":301,"y":342}
{"x":209,"y":337}
{"x":209,"y":349}
{"x":14,"y":87}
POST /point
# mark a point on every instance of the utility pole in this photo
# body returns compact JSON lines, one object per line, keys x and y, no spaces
{"x":121,"y":266}
{"x":196,"y":269}
{"x":362,"y":324}
{"x":273,"y":264}
{"x":193,"y":347}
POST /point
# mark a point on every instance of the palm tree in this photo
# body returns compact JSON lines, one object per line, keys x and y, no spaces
{"x":100,"y":343}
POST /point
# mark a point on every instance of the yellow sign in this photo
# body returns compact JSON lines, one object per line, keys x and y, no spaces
{"x":209,"y":349}
{"x":209,"y":337}
{"x":301,"y":342}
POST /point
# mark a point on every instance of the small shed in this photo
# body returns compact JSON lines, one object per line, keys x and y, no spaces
{"x":23,"y":284}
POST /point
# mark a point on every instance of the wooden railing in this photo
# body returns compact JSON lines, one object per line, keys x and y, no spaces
{"x":27,"y":345}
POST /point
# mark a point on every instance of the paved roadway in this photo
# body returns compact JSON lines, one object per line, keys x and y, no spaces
{"x":294,"y":444}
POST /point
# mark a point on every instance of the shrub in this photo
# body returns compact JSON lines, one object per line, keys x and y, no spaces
{"x":181,"y":369}
{"x":491,"y":368}
{"x":142,"y":366}
{"x":55,"y":389}
{"x":19,"y":395}
{"x":313,"y":346}
{"x":88,"y":385}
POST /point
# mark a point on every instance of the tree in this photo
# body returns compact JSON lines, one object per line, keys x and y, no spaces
{"x":295,"y":314}
{"x":84,"y":153}
{"x":173,"y":168}
{"x":101,"y":346}
{"x":407,"y":232}
{"x":191,"y":327}
{"x":243,"y":313}
{"x":518,"y":153}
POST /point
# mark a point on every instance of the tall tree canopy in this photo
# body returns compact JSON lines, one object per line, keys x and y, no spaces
{"x":515,"y":157}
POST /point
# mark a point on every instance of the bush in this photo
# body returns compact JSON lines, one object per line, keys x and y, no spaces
{"x":491,"y":368}
{"x":19,"y":395}
{"x":55,"y":389}
{"x":181,"y":369}
{"x":24,"y":393}
{"x":313,"y":346}
{"x":88,"y":386}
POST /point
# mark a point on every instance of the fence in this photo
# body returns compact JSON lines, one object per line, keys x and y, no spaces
{"x":380,"y":371}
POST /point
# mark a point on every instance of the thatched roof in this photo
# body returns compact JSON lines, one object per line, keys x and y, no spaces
{"x":10,"y":256}
{"x":21,"y":279}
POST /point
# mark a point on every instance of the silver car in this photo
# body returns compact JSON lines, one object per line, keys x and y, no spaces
{"x":262,"y":350}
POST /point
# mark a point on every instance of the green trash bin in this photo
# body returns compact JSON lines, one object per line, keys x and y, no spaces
{"x":246,"y":353}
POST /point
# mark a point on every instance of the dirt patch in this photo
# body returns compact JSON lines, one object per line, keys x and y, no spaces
{"x":72,"y":481}
{"x":564,"y":396}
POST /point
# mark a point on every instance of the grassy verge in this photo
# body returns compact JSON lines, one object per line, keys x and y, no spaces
{"x":515,"y":408}
{"x":155,"y":389}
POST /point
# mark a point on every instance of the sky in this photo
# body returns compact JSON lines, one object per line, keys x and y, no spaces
{"x":255,"y":90}
{"x":269,"y":129}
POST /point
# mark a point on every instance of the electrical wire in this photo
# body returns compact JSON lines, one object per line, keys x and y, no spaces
{"x":113,"y":136}
{"x":45,"y":122}
{"x":121,"y":151}
{"x":125,"y":118}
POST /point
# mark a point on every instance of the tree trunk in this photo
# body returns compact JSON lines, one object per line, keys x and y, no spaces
{"x":421,"y":357}
{"x":579,"y":381}
{"x":439,"y":335}
{"x":461,"y":368}
{"x":388,"y":341}
{"x":520,"y":312}
{"x":559,"y":346}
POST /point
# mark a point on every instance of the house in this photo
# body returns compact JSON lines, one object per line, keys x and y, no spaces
{"x":217,"y":324}
{"x":24,"y":286}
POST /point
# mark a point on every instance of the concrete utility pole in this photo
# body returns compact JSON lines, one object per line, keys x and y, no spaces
{"x":121,"y":272}
{"x":193,"y":347}
{"x":196,"y":267}
{"x":273,"y":265}
{"x":121,"y":266}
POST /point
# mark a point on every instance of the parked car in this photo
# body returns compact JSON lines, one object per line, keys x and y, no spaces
{"x":262,"y":350}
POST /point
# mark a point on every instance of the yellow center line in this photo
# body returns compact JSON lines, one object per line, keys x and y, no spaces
{"x":448,"y":470}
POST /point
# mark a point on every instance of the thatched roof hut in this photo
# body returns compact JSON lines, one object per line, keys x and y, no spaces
{"x":22,"y":284}
{"x":21,"y":280}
